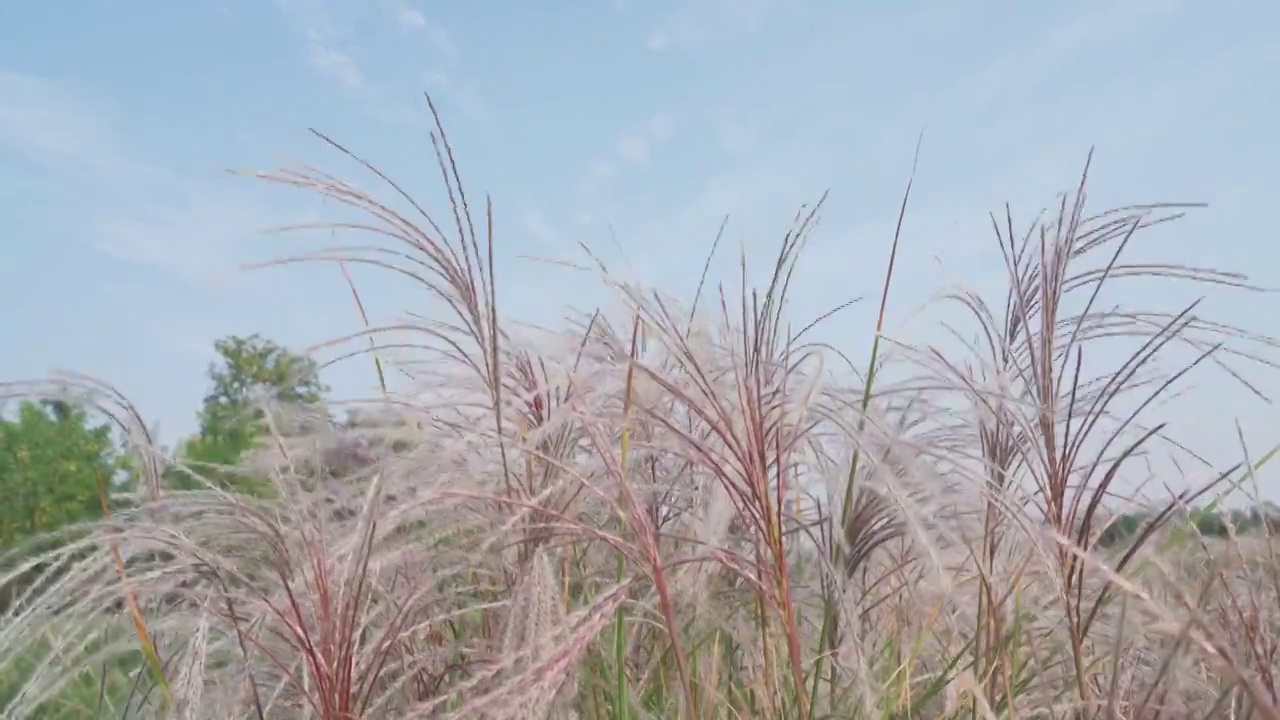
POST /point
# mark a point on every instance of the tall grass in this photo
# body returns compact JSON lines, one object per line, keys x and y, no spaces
{"x":684,"y":512}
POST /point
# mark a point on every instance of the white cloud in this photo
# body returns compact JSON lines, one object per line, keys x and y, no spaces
{"x":139,"y":212}
{"x":538,"y":227}
{"x":51,"y":124}
{"x":440,"y":40}
{"x":699,"y":22}
{"x":328,"y":28}
{"x":597,"y":176}
{"x":658,"y":40}
{"x":410,"y":19}
{"x":662,"y":125}
{"x":335,"y":63}
{"x":1025,"y":67}
{"x":777,"y":165}
{"x":461,"y":92}
{"x":199,"y":236}
{"x":634,"y":149}
{"x":312,"y":19}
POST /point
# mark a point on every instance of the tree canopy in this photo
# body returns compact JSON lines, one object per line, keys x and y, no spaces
{"x":56,"y":468}
{"x":250,"y":371}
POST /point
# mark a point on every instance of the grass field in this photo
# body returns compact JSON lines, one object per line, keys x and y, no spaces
{"x":680,"y":511}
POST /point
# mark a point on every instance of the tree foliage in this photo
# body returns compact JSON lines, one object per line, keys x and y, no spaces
{"x":250,"y":373}
{"x":56,"y":468}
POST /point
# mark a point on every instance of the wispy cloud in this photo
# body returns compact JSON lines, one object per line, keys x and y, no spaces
{"x":463,"y":93}
{"x":51,"y":124}
{"x":411,"y":20}
{"x":659,"y":39}
{"x":597,"y":175}
{"x":1019,"y":101}
{"x":199,"y":236}
{"x":1026,"y":65}
{"x":699,"y":22}
{"x":636,"y":147}
{"x":540,"y":230}
{"x":335,"y":63}
{"x":662,"y":125}
{"x":137,"y":211}
{"x":324,"y":47}
{"x":772,"y":102}
{"x":360,"y":69}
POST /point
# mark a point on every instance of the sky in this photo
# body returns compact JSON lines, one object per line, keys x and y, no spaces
{"x":631,"y":127}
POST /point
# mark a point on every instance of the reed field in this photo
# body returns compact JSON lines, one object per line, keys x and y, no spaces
{"x":685,"y":507}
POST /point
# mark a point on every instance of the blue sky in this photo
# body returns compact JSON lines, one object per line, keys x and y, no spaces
{"x":630,"y":126}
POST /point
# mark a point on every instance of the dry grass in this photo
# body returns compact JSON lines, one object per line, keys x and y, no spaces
{"x":681,"y":512}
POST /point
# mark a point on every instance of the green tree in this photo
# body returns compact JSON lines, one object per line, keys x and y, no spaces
{"x":1122,"y":529}
{"x":56,"y":468}
{"x":249,"y":371}
{"x":1209,"y":523}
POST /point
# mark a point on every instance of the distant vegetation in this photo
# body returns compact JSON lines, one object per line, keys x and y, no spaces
{"x":61,"y":463}
{"x":1208,"y":523}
